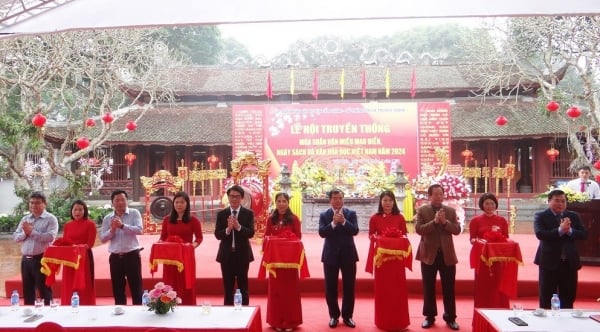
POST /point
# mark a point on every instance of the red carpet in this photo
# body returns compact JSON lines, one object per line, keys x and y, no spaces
{"x":314,"y":307}
{"x":209,"y":275}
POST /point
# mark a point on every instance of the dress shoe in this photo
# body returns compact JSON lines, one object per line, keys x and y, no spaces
{"x":333,"y":322}
{"x":453,"y":325}
{"x":427,"y":323}
{"x":349,"y":322}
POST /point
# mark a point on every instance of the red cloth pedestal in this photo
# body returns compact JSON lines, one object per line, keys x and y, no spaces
{"x":76,"y":276}
{"x":179,"y":268}
{"x":283,"y":259}
{"x":496,"y":267}
{"x":389,"y":256}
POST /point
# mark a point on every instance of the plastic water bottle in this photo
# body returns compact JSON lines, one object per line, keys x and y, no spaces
{"x":145,"y":298}
{"x":237,"y":300}
{"x":555,"y":305}
{"x":75,"y":302}
{"x":14,"y":300}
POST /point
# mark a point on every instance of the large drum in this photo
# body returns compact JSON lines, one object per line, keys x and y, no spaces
{"x":253,"y":196}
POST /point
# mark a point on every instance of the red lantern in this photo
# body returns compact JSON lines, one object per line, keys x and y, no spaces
{"x":38,"y":120}
{"x":107,"y":117}
{"x":131,"y":125}
{"x":90,"y":122}
{"x":552,"y":153}
{"x":82,"y":142}
{"x":501,"y":120}
{"x":597,"y":165}
{"x":573,"y":112}
{"x":467,"y":154}
{"x":129,"y":158}
{"x":552,"y":106}
{"x":212,"y":159}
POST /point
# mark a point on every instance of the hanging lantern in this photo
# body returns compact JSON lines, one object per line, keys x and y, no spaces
{"x":573,"y":112}
{"x":501,"y":120}
{"x":131,"y":125}
{"x":90,"y":122}
{"x":467,"y":154}
{"x":130,"y":158}
{"x":552,"y":106}
{"x":107,"y":118}
{"x":552,"y":154}
{"x":38,"y":120}
{"x":212,"y":159}
{"x":82,"y":142}
{"x":597,"y":165}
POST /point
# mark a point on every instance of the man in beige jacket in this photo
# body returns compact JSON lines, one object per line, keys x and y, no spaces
{"x":436,"y":223}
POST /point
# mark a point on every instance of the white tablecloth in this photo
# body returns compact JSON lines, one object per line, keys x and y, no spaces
{"x":184,"y":318}
{"x":563,"y":323}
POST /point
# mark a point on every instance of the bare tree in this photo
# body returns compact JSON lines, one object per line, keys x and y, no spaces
{"x":556,"y":56}
{"x":70,"y":77}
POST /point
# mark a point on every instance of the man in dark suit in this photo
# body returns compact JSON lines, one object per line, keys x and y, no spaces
{"x":436,"y":223}
{"x":557,"y":256}
{"x":338,"y":225}
{"x":234,"y":228}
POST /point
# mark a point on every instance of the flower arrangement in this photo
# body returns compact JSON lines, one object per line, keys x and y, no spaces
{"x":162,"y":299}
{"x":455,"y":187}
{"x":572,"y":195}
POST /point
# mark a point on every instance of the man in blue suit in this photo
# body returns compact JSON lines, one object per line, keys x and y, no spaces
{"x":557,"y":255}
{"x":338,"y":226}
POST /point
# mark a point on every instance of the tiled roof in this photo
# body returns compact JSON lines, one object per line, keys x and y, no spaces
{"x":189,"y":125}
{"x":474,"y":120}
{"x":202,"y":81}
{"x":211,"y":125}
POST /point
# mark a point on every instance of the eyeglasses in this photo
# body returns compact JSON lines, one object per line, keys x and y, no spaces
{"x":235,"y":196}
{"x":36,"y":202}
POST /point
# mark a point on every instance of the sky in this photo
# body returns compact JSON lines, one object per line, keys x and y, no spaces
{"x":272,"y":39}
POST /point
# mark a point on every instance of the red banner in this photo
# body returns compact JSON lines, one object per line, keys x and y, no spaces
{"x":345,"y":134}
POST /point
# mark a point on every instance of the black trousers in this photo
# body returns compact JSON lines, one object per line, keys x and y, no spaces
{"x":235,"y":271}
{"x":126,"y":268}
{"x":562,"y":281}
{"x":447,"y":277}
{"x":34,"y":280}
{"x":331,"y":273}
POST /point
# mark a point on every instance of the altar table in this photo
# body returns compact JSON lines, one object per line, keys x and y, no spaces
{"x":138,"y":319}
{"x":496,"y":320}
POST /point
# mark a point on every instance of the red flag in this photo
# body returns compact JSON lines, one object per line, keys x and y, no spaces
{"x":413,"y":83}
{"x":363,"y":83}
{"x":315,"y":92}
{"x":269,"y":86}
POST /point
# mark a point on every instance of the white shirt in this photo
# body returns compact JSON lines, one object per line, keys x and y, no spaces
{"x":591,"y":187}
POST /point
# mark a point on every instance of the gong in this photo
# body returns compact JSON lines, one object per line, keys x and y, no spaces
{"x":161,"y":207}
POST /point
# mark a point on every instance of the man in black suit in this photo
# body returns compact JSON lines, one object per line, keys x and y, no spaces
{"x":234,"y":228}
{"x":338,"y":225}
{"x":557,"y":255}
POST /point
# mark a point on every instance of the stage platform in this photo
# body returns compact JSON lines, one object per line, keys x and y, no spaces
{"x":209,"y":275}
